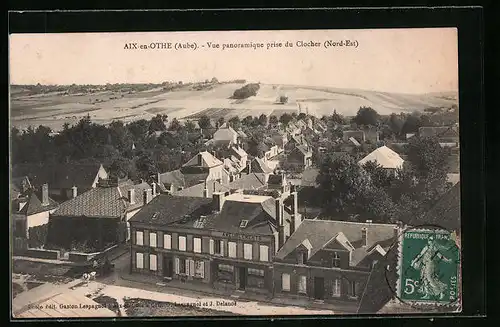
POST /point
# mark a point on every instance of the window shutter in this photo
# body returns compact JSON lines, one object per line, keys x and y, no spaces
{"x":211,"y":246}
{"x":191,"y":267}
{"x":202,"y":269}
{"x":176,"y":265}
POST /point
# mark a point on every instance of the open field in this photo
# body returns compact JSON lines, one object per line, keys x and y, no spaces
{"x":56,"y":108}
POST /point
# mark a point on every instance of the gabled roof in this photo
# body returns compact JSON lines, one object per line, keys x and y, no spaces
{"x":33,"y":204}
{"x":354,"y":141}
{"x":242,"y":134}
{"x":446,"y":212}
{"x":104,"y":202}
{"x":239,"y":151}
{"x":198,"y":189}
{"x":321,"y":232}
{"x":304,"y":149}
{"x":439,"y":131}
{"x":385,"y":157}
{"x":59,"y":175}
{"x":165,"y":209}
{"x":258,"y":165}
{"x":248,"y":182}
{"x":175,"y":178}
{"x":203,"y":159}
{"x":19,"y":186}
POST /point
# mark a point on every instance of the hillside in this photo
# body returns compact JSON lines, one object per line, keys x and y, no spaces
{"x":56,"y":108}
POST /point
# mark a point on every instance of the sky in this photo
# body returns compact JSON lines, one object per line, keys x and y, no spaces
{"x":388,"y":60}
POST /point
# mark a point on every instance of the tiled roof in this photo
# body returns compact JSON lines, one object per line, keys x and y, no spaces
{"x":166,"y":209}
{"x":103,"y":202}
{"x":305,"y":150}
{"x":197,"y":190}
{"x":249,"y":182}
{"x":203,"y":159}
{"x":59,"y":175}
{"x":174,"y":177}
{"x":260,"y":166}
{"x":385,"y":157}
{"x":33,"y":205}
{"x":321,"y":232}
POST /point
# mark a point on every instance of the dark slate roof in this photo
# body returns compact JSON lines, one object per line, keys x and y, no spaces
{"x":446,"y":212}
{"x":104,"y":202}
{"x":260,"y":213}
{"x":439,"y":131}
{"x":260,"y":166}
{"x":276,"y":179}
{"x":321,"y":232}
{"x":174,"y":177}
{"x":33,"y":205}
{"x":305,"y":150}
{"x":166,"y":209}
{"x":197,"y":190}
{"x":59,"y":175}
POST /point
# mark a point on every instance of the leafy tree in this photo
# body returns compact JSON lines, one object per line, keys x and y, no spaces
{"x":175,"y":125}
{"x":247,"y":121}
{"x":220,"y":121}
{"x":379,"y":176}
{"x":367,"y":116}
{"x":235,"y":122}
{"x":273,"y":120}
{"x":263,"y":120}
{"x":286,"y":118}
{"x":146,"y":166}
{"x":204,"y":122}
{"x":411,"y":124}
{"x":157,"y":124}
{"x":138,"y":129}
{"x":395,"y":123}
{"x":301,"y":116}
{"x":190,"y":126}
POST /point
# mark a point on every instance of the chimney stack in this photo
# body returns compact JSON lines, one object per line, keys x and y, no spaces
{"x":153,"y":186}
{"x":279,"y":221}
{"x":74,"y":192}
{"x":158,"y":178}
{"x":131,"y":196}
{"x":249,"y":166}
{"x":218,"y":201}
{"x":147,"y":196}
{"x":205,"y":190}
{"x":45,"y":194}
{"x":364,"y":236}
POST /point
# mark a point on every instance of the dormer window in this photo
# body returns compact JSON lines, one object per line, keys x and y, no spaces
{"x":243,"y":223}
{"x":336,"y":260}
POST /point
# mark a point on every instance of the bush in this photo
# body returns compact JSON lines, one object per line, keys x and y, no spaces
{"x":246,"y":91}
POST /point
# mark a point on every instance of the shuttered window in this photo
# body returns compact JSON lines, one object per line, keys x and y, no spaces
{"x":182,"y":243}
{"x":139,"y":260}
{"x":199,"y":269}
{"x":285,"y":282}
{"x":139,"y":238}
{"x":247,"y":251}
{"x":302,"y":284}
{"x":176,"y":266}
{"x":152,"y":240}
{"x":197,"y":245}
{"x":152,"y":262}
{"x":167,"y":241}
{"x":264,"y":253}
{"x":232,"y":249}
{"x":336,"y":287}
{"x":212,"y":245}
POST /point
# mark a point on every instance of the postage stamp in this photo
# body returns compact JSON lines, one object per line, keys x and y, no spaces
{"x":429,"y":267}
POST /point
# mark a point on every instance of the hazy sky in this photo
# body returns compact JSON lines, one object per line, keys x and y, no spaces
{"x":391,"y":60}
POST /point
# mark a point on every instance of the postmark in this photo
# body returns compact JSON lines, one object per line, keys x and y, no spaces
{"x":428,"y":267}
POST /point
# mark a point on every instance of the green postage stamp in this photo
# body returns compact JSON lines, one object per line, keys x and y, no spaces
{"x":429,"y":267}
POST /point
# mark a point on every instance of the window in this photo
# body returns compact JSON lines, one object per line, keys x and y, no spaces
{"x":302,"y":259}
{"x":139,"y":238}
{"x":152,"y":240}
{"x":182,"y":266}
{"x":227,"y":268}
{"x":264,"y":252}
{"x":285,"y":282}
{"x":182,"y":243}
{"x":352,"y":288}
{"x":243,"y":223}
{"x":139,"y":260}
{"x":167,"y":241}
{"x":336,"y":260}
{"x":199,"y":269}
{"x":197,"y":245}
{"x":232,"y":249}
{"x":152,"y":262}
{"x":247,"y":251}
{"x":219,"y":247}
{"x":302,"y":284}
{"x":211,"y":250}
{"x":256,"y":272}
{"x":336,"y":287}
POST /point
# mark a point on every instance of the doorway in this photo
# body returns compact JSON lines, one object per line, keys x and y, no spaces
{"x":168,"y":267}
{"x":243,"y":278}
{"x":319,"y":288}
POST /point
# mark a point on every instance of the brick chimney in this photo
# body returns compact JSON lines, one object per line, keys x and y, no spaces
{"x":280,"y":222}
{"x":131,"y":196}
{"x":74,"y":192}
{"x":205,"y":190}
{"x":45,"y":194}
{"x":147,"y":196}
{"x":249,"y":166}
{"x":218,"y":200}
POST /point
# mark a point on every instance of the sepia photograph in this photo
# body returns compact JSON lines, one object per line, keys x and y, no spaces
{"x":234,"y":173}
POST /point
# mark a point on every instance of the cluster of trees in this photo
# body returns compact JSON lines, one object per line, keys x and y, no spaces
{"x":246,"y":91}
{"x":350,"y":191}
